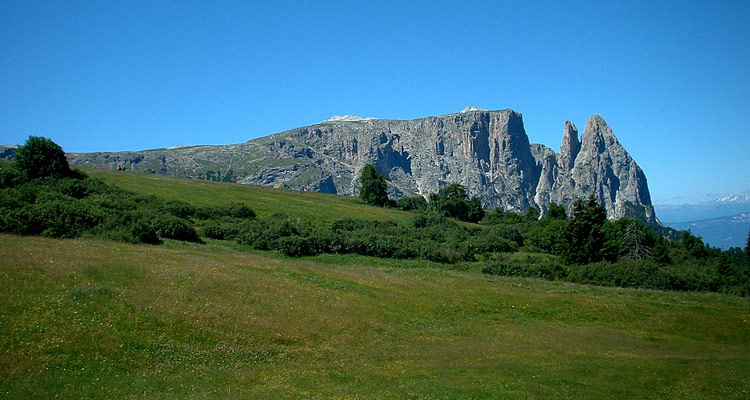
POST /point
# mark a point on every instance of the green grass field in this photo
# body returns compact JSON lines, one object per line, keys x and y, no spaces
{"x":96,"y":319}
{"x":311,"y":206}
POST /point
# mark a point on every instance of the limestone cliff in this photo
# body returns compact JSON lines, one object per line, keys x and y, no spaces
{"x":486,"y":151}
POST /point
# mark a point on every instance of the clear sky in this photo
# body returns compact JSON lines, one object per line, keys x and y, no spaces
{"x":672,"y":79}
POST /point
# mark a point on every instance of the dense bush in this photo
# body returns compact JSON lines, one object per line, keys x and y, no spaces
{"x":498,"y":216}
{"x":416,"y":203}
{"x":171,"y":227}
{"x":233,"y":210}
{"x":10,"y":176}
{"x":77,"y":206}
{"x":530,"y":267}
{"x":224,"y":228}
{"x":549,"y":235}
{"x":453,"y":202}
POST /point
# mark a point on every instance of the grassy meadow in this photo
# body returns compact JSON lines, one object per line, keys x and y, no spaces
{"x":90,"y":318}
{"x":98,"y":319}
{"x":310,"y":206}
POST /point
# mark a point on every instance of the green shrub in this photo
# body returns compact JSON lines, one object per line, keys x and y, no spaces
{"x":453,"y":202}
{"x":80,"y":188}
{"x":295,"y":246}
{"x":549,"y":235}
{"x":224,"y":228}
{"x":490,"y":243}
{"x":63,"y":217}
{"x":261,"y":234}
{"x":498,"y":216}
{"x":233,"y":210}
{"x":507,"y":232}
{"x":414,"y":203}
{"x":11,"y":177}
{"x":179,"y":209}
{"x":143,"y":232}
{"x":171,"y":227}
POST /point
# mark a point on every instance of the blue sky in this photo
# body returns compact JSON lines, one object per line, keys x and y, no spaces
{"x":670,"y":78}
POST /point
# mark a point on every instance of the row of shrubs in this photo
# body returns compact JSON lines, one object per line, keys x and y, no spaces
{"x":430,"y":237}
{"x":81,"y":206}
{"x":76,"y":206}
{"x":628,"y":273}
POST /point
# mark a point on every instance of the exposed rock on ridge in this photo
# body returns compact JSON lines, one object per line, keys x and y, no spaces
{"x":486,"y":151}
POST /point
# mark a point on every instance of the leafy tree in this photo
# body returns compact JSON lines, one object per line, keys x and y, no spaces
{"x":550,"y":235}
{"x":660,"y":251}
{"x":40,"y":157}
{"x":412,"y":203}
{"x":453,"y":202}
{"x":585,"y":237}
{"x":747,"y":249}
{"x":556,"y":211}
{"x":532,"y":213}
{"x":498,"y":216}
{"x":373,"y":190}
{"x":475,"y":213}
{"x":693,"y":244}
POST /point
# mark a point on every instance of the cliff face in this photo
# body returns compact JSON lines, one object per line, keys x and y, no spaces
{"x":486,"y":151}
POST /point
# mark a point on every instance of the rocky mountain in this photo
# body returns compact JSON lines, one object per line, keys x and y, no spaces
{"x":486,"y":151}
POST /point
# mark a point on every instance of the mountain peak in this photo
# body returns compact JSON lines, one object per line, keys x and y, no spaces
{"x":472,"y":109}
{"x":348,"y":118}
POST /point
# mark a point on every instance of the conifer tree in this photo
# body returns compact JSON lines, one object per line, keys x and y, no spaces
{"x":585,"y":238}
{"x":635,"y":243}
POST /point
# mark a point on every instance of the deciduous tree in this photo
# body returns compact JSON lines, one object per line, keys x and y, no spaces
{"x":373,"y":190}
{"x":40,"y":157}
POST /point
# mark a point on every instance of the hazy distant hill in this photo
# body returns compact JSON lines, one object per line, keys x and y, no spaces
{"x":719,"y":207}
{"x":722,"y":232}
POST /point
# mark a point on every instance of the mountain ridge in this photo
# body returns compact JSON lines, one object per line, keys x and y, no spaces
{"x":487,"y":151}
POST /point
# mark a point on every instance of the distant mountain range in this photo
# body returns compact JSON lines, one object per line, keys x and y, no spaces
{"x":720,"y":207}
{"x":722,"y":232}
{"x":723,"y":222}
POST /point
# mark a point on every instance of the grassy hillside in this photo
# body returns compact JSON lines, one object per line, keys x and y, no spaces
{"x":98,"y":319}
{"x":321,"y":207}
{"x":90,"y":318}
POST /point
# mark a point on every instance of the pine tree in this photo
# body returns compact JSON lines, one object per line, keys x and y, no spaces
{"x":635,"y":243}
{"x":585,"y":238}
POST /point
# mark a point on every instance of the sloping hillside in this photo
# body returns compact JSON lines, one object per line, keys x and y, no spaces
{"x":312,"y":206}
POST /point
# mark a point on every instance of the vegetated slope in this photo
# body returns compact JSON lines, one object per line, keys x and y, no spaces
{"x":311,"y":206}
{"x":98,"y":319}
